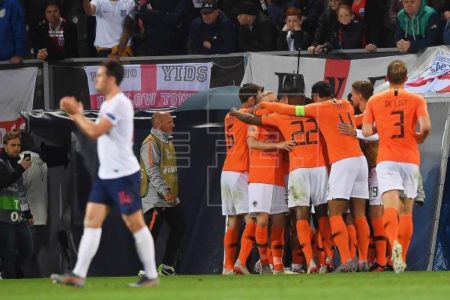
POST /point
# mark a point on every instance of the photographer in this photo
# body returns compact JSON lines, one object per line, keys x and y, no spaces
{"x":212,"y":32}
{"x":16,"y":246}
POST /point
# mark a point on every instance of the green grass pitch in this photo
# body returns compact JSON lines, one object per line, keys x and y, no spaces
{"x":379,"y":286}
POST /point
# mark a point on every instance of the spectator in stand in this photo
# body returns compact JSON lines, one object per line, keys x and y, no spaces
{"x":370,"y":14}
{"x":311,"y":11}
{"x":291,"y":37}
{"x":212,"y":32}
{"x":418,"y":26}
{"x":110,"y":15}
{"x":231,"y":7}
{"x":256,"y":31}
{"x":277,"y":8}
{"x":446,"y":13}
{"x":54,"y":38}
{"x":327,"y":27}
{"x":12,"y":32}
{"x":159,"y":25}
{"x":349,"y":31}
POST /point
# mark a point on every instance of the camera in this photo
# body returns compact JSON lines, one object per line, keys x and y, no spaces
{"x":27,"y":156}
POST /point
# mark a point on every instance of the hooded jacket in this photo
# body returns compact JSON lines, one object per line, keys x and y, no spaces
{"x":158,"y":156}
{"x":35,"y":185}
{"x":422,"y":30}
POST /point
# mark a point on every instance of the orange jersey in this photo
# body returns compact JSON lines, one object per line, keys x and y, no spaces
{"x":308,"y":150}
{"x":395,"y":114}
{"x":359,"y":120}
{"x":237,"y":159}
{"x":266,"y":166}
{"x":328,"y":114}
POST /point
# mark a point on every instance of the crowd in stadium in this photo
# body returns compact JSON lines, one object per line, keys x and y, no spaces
{"x":57,"y":29}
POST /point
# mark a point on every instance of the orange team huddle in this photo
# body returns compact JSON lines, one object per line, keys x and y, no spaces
{"x":314,"y":152}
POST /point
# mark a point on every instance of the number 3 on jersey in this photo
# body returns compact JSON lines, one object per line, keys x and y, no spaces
{"x":305,"y":136}
{"x":400,"y":124}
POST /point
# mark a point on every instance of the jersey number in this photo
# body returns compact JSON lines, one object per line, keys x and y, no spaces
{"x":310,"y":139}
{"x":400,"y":124}
{"x":229,"y":136}
{"x":341,"y":119}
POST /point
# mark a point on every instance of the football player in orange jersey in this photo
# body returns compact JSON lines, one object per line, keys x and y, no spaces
{"x":348,"y":178}
{"x":234,"y":181}
{"x":396,"y":113}
{"x":361,"y":92}
{"x":308,"y":173}
{"x":266,"y":190}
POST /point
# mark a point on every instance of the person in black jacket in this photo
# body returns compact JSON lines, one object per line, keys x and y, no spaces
{"x":291,"y":37}
{"x":16,"y":245}
{"x":212,"y":32}
{"x":349,"y":32}
{"x":327,"y":26}
{"x":55,"y":38}
{"x":256,"y":31}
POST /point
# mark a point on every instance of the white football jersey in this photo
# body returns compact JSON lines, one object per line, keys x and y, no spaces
{"x":115,"y":148}
{"x":110,"y":16}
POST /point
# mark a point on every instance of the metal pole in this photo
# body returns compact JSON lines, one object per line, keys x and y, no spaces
{"x":46,"y":83}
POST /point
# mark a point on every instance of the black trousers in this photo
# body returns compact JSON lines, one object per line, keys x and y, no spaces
{"x":16,"y":249}
{"x":173,"y":216}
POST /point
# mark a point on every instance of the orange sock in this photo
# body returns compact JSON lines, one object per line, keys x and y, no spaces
{"x":261,"y":235}
{"x":276,"y":238}
{"x":325,"y":232}
{"x":379,"y":239}
{"x":230,"y":247}
{"x":320,"y":254}
{"x":247,"y":240}
{"x":340,"y":237}
{"x":353,"y":242}
{"x":405,"y":232}
{"x":363,"y":236}
{"x":304,"y":238}
{"x":390,"y":217}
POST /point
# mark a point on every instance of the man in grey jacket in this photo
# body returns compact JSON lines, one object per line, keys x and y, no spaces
{"x":159,"y":187}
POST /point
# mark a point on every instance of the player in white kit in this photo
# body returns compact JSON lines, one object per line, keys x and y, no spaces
{"x":118,"y":178}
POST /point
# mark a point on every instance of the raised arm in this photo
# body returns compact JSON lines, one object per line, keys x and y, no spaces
{"x":284,"y":109}
{"x":89,"y":8}
{"x":75,"y":110}
{"x":246,"y":117}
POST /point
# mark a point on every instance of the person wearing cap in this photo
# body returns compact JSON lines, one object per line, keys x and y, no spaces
{"x":212,"y":32}
{"x":348,"y":180}
{"x":256,"y":31}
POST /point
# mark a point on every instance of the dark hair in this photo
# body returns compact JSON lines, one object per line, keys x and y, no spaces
{"x":323,"y":89}
{"x":396,"y":72}
{"x":292,"y":11}
{"x":248,"y":90}
{"x":54,"y":3}
{"x":114,"y":69}
{"x":12,"y":135}
{"x":365,"y":88}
